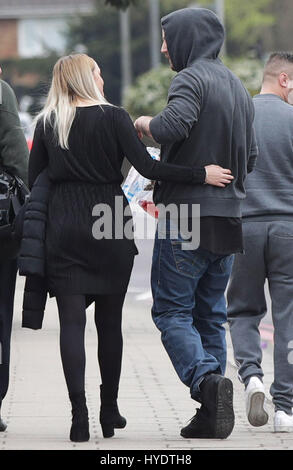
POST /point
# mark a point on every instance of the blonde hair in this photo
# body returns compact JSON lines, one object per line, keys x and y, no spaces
{"x":72,"y":78}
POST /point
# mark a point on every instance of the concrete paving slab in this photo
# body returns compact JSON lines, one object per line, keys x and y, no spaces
{"x":152,"y":398}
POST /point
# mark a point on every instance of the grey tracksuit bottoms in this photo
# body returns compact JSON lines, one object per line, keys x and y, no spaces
{"x":268,"y":255}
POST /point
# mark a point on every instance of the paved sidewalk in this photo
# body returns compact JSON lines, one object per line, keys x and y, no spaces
{"x":152,"y":398}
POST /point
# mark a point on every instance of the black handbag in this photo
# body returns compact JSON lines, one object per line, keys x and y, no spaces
{"x":13,"y":198}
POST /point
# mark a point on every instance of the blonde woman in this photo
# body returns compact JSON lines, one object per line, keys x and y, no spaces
{"x":82,"y":140}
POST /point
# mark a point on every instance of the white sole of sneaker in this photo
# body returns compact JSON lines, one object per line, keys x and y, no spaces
{"x":256,"y":414}
{"x":283,"y":428}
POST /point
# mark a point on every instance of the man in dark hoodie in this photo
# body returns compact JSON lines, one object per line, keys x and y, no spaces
{"x":208,"y":119}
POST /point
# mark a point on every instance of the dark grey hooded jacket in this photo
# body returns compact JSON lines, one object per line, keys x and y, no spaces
{"x":209,"y":115}
{"x":13,"y":147}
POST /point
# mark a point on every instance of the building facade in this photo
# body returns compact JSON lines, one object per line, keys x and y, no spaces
{"x":34,"y":28}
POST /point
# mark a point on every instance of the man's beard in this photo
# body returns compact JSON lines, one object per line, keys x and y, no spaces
{"x":170,"y":62}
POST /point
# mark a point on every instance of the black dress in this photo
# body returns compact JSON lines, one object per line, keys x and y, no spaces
{"x":87,"y":174}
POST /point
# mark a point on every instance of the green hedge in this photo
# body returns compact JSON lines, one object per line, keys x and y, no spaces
{"x":148,"y":95}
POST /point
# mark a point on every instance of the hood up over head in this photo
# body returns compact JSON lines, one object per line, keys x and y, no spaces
{"x":191,"y":34}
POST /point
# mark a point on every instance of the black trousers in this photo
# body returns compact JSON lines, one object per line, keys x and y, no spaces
{"x":8,"y":270}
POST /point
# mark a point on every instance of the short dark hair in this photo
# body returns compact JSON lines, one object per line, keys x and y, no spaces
{"x":277,"y":63}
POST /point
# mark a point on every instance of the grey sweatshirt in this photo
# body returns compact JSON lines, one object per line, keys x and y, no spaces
{"x":208,"y":118}
{"x":270,"y":187}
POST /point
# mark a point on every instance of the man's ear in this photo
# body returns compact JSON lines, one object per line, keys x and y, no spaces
{"x":283,"y":80}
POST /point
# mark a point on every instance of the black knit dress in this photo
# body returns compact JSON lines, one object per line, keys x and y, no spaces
{"x":87,"y":174}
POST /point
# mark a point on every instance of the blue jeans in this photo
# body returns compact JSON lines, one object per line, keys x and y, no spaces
{"x":189,"y":307}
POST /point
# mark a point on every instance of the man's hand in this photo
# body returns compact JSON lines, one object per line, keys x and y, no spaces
{"x":142,"y":126}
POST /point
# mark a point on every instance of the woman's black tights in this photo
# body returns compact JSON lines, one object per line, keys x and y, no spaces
{"x":108,"y":319}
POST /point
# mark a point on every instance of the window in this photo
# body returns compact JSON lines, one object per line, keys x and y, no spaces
{"x":37,"y":37}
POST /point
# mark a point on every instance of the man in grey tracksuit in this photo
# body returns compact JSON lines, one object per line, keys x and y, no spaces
{"x":268,"y":242}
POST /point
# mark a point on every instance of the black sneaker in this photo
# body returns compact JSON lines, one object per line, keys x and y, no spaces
{"x":217,"y":398}
{"x":199,"y":426}
{"x":215,"y":418}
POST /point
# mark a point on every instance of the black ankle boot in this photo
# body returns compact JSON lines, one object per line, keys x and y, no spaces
{"x":3,"y":426}
{"x":110,"y":418}
{"x":79,"y":431}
